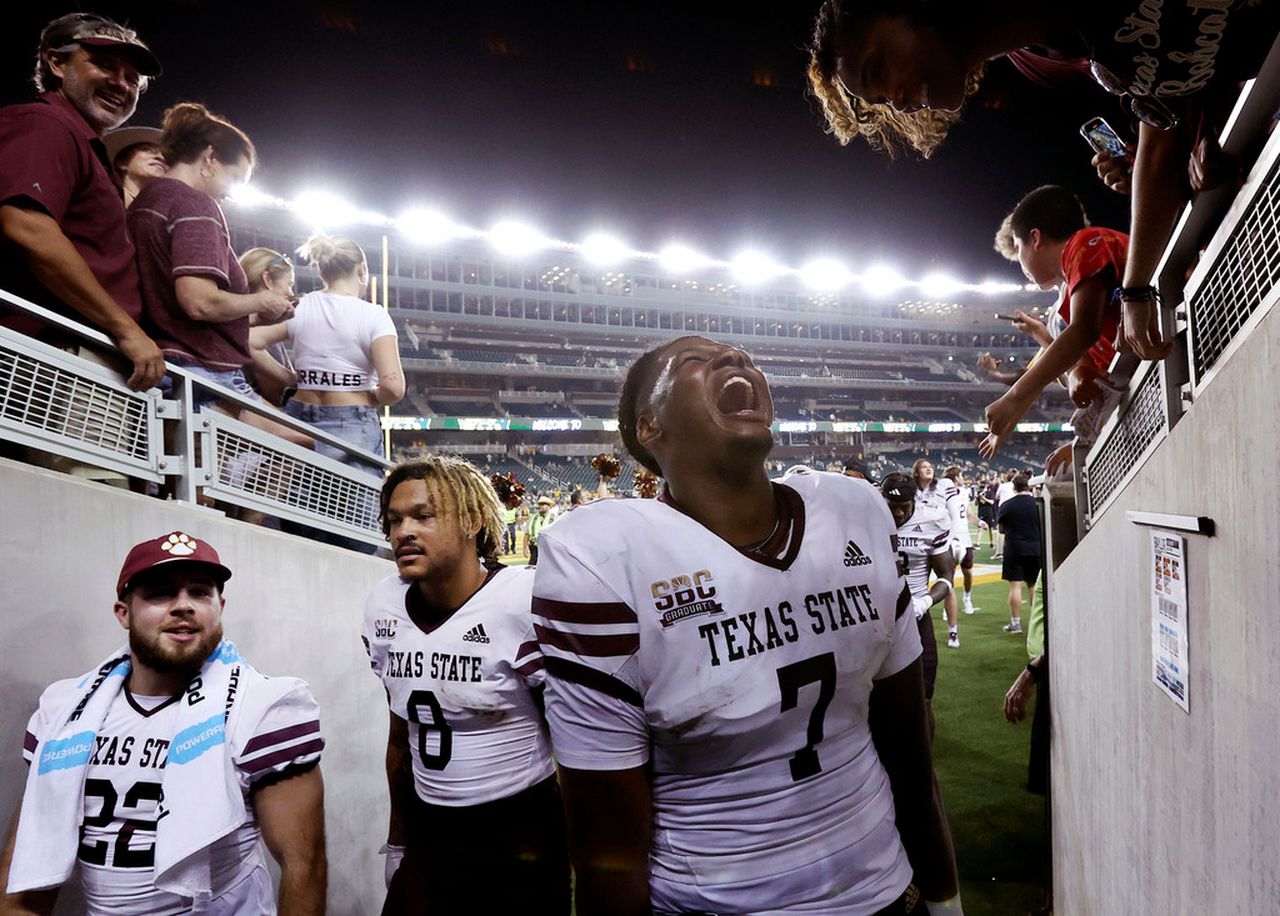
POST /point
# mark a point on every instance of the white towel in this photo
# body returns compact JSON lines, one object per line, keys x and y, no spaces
{"x":202,"y":803}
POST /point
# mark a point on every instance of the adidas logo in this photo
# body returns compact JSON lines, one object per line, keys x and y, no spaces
{"x":853,"y":556}
{"x":476,"y":634}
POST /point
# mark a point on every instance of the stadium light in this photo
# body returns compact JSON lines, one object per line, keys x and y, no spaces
{"x":825,"y":274}
{"x":882,"y":281}
{"x":996,"y":287}
{"x":427,"y":227}
{"x":680,"y":259}
{"x":604,"y":250}
{"x":516,"y":239}
{"x":939,"y":285}
{"x":751,"y":267}
{"x":320,"y":208}
{"x":249,"y":196}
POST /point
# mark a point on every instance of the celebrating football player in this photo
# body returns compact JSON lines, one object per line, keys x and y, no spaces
{"x":476,"y":819}
{"x":943,"y":494}
{"x":734,"y":687}
{"x":924,"y":534}
{"x":160,"y":770}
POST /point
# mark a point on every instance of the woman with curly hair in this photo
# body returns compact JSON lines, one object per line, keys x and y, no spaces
{"x":897,"y":72}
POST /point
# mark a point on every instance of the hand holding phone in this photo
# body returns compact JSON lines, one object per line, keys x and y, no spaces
{"x":1103,"y":138}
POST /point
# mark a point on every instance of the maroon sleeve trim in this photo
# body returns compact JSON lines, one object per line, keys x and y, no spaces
{"x":904,"y":602}
{"x":590,"y":646}
{"x":583,"y":612}
{"x":280,"y":735}
{"x":29,"y":743}
{"x":314,"y":746}
{"x":594,"y":680}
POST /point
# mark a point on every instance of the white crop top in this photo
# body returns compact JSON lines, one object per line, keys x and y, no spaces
{"x":333,"y":339}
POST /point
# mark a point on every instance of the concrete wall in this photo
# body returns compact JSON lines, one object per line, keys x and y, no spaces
{"x":1157,"y":810}
{"x":293,"y":607}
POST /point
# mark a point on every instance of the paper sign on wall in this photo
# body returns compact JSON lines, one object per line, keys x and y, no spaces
{"x":1169,"y":614}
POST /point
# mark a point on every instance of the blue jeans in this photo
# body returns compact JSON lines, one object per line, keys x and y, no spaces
{"x":358,"y":425}
{"x":203,"y":397}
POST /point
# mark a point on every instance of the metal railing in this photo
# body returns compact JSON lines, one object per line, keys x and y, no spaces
{"x":76,"y":408}
{"x":1213,"y":307}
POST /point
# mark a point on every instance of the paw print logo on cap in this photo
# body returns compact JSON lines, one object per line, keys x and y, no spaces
{"x":179,"y":545}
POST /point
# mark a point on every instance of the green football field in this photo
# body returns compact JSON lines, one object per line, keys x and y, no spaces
{"x":981,"y":761}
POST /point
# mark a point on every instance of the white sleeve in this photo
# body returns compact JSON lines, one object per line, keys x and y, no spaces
{"x":379,"y":324}
{"x":955,"y":506}
{"x":38,"y":726}
{"x":590,"y":640}
{"x":287,"y":735}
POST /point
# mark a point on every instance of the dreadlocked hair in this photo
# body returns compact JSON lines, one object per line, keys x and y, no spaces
{"x":885,"y":129}
{"x":459,"y":489}
{"x":636,"y":385}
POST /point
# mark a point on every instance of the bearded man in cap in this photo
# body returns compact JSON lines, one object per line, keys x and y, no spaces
{"x":160,"y":771}
{"x":62,"y":225}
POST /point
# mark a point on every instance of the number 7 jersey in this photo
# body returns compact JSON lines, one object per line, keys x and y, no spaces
{"x":744,"y":683}
{"x":466,"y":688}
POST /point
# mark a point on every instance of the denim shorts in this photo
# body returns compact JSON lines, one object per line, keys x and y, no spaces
{"x":358,"y":425}
{"x":229,"y":378}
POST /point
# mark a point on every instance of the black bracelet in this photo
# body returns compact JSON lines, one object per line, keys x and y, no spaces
{"x":1139,"y":293}
{"x":1034,"y":672}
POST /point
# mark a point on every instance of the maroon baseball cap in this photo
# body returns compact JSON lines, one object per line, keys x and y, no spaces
{"x":176,"y":547}
{"x":99,"y":32}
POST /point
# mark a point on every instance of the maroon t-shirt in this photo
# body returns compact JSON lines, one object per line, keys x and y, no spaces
{"x":52,"y":161}
{"x":182,"y":232}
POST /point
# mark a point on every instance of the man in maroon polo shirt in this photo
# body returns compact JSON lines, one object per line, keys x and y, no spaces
{"x":63,"y":239}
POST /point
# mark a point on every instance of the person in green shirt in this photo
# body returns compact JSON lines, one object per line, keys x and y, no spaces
{"x":539,"y":520}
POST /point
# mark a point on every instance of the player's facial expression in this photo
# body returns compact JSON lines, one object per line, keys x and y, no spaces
{"x":425,"y":539}
{"x":707,"y":391}
{"x":102,"y":84}
{"x":174,"y":618}
{"x":924,"y":474}
{"x":901,"y":511}
{"x":908,"y":65}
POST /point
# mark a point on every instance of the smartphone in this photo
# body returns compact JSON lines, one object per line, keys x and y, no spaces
{"x":1103,"y":138}
{"x":1005,"y":317}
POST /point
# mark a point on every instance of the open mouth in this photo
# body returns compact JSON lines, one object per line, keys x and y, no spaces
{"x":737,"y":398}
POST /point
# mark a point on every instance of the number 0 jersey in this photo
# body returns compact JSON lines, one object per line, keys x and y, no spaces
{"x":466,"y":688}
{"x":122,"y":793}
{"x":744,"y":683}
{"x":926,"y":534}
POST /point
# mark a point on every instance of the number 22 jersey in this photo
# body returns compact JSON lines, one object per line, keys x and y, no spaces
{"x":466,"y":688}
{"x":744,"y":682}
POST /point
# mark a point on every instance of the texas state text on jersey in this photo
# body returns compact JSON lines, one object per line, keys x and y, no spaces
{"x":744,"y":682}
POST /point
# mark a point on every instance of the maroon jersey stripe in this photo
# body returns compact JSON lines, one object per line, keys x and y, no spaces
{"x":314,"y":746}
{"x":583,"y":612}
{"x":29,"y":743}
{"x":589,"y":645}
{"x":529,"y":667}
{"x":595,"y":680}
{"x":280,"y":735}
{"x":526,"y":648}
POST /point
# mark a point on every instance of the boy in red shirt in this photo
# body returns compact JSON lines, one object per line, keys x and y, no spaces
{"x":1050,"y":237}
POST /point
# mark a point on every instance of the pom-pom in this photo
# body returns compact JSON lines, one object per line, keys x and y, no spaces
{"x":510,"y":491}
{"x":607,"y":465}
{"x":646,"y":483}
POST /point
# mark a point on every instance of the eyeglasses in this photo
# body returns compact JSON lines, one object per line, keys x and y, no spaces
{"x":280,"y":259}
{"x":1147,"y":109}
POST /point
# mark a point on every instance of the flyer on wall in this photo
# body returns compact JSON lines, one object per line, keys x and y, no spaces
{"x":1169,"y":614}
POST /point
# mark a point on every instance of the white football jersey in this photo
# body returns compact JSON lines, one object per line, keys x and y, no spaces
{"x":944,"y":495}
{"x":466,"y":688}
{"x":743,"y":681}
{"x":927,"y":533}
{"x":122,"y":791}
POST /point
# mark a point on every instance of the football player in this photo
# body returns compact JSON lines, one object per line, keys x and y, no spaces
{"x":161,"y":771}
{"x":942,"y":494}
{"x":476,"y":819}
{"x":924,"y":543}
{"x":734,"y":687}
{"x":960,"y":527}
